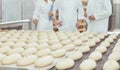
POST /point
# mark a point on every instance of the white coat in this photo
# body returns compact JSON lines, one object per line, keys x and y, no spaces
{"x":41,"y":13}
{"x":102,"y":10}
{"x":68,"y":14}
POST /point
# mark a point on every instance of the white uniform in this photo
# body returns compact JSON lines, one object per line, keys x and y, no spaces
{"x":102,"y":10}
{"x":68,"y":13}
{"x":41,"y":13}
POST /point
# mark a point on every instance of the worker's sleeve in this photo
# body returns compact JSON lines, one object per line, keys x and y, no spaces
{"x":80,"y":10}
{"x":36,"y":13}
{"x":55,"y":8}
{"x":106,"y":12}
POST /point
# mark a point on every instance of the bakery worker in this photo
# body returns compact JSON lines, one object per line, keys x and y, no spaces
{"x":70,"y":13}
{"x":41,"y":15}
{"x":97,"y":15}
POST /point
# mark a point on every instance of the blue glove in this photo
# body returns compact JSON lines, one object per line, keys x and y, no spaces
{"x":51,"y":9}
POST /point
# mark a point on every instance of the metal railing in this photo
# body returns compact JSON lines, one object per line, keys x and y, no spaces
{"x":24,"y":23}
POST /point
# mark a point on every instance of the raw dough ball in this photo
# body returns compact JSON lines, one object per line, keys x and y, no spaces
{"x":94,"y":33}
{"x":63,"y":37}
{"x":96,"y":39}
{"x":2,"y":56}
{"x":43,"y":52}
{"x":88,"y":64}
{"x":84,"y":49}
{"x":69,"y":47}
{"x":73,"y":38}
{"x":85,"y":33}
{"x":55,"y":46}
{"x":77,"y":42}
{"x":43,"y":41}
{"x":42,"y":46}
{"x":105,"y":43}
{"x":105,"y":34}
{"x":58,"y":53}
{"x":20,"y":44}
{"x":114,"y":56}
{"x":4,"y":49}
{"x":65,"y":42}
{"x":117,"y":44}
{"x":91,"y":43}
{"x":113,"y":36}
{"x":11,"y":59}
{"x":30,"y":45}
{"x":95,"y":56}
{"x":9,"y":43}
{"x":90,"y":36}
{"x":29,"y":51}
{"x":44,"y":61}
{"x":54,"y":41}
{"x":111,"y":65}
{"x":75,"y":55}
{"x":101,"y":36}
{"x":43,"y":37}
{"x":65,"y":63}
{"x":101,"y":49}
{"x":28,"y":60}
{"x":16,"y":50}
{"x":84,"y":39}
{"x":116,"y":49}
{"x":110,"y":40}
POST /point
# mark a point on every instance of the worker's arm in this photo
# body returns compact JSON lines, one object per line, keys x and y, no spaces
{"x":55,"y":8}
{"x":80,"y":13}
{"x":36,"y":13}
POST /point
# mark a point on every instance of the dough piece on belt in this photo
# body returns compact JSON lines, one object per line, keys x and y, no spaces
{"x":111,"y":65}
{"x":114,"y":56}
{"x":101,"y":49}
{"x":29,"y":51}
{"x":88,"y":64}
{"x":58,"y":53}
{"x":84,"y":49}
{"x":2,"y":56}
{"x":65,"y":63}
{"x":69,"y":47}
{"x":105,"y":43}
{"x":95,"y":56}
{"x":75,"y":55}
{"x":77,"y":42}
{"x":28,"y":60}
{"x":44,"y":62}
{"x":43,"y":52}
{"x":55,"y":46}
{"x":11,"y":59}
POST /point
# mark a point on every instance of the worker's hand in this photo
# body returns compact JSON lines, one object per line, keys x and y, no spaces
{"x":54,"y":21}
{"x":50,"y":14}
{"x":59,"y":24}
{"x":35,"y":21}
{"x":85,"y":14}
{"x":92,"y":17}
{"x":78,"y":23}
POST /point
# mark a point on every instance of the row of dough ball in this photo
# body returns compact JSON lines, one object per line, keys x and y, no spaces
{"x":117,"y":47}
{"x":97,"y":54}
{"x":61,"y":36}
{"x":90,"y":64}
{"x":28,"y":60}
{"x":43,"y":61}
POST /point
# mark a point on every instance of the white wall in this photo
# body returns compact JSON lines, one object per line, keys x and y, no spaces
{"x":11,"y":10}
{"x":28,"y":8}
